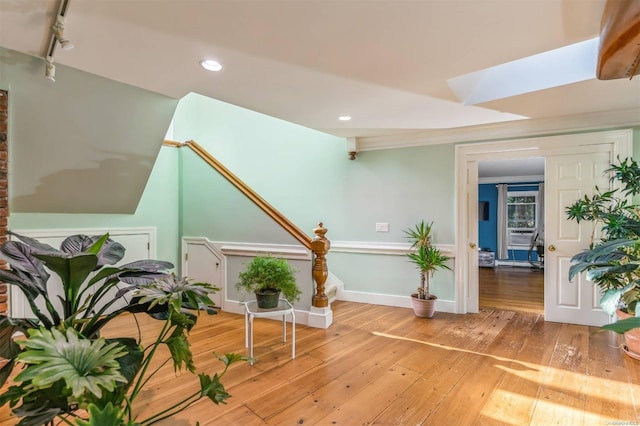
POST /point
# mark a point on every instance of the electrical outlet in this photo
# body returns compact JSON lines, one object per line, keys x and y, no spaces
{"x":382,"y":227}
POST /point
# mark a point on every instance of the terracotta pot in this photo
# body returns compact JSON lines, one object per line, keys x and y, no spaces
{"x":631,"y":337}
{"x":424,"y":308}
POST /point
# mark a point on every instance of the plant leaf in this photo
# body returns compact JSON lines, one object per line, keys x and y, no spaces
{"x":86,"y":366}
{"x":212,"y":388}
{"x":73,"y":271}
{"x":131,"y":361}
{"x":109,"y":252}
{"x":179,"y":347}
{"x":610,"y":299}
{"x":624,"y":325}
{"x":9,"y":349}
{"x":20,"y":257}
{"x":107,"y":415}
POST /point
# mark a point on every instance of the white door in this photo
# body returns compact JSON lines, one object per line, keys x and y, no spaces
{"x":204,"y":265}
{"x":568,"y":178}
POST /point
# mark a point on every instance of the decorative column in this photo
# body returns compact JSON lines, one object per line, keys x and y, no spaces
{"x":320,"y":314}
{"x":320,"y":246}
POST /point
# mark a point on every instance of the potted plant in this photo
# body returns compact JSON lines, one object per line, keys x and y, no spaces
{"x":427,"y":259}
{"x":69,"y":373}
{"x":612,"y":261}
{"x":268,"y":277}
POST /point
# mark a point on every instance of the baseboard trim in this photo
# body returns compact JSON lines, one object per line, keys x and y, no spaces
{"x":390,"y":300}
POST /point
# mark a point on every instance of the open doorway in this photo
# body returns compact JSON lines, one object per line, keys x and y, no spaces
{"x":511,"y":234}
{"x":574,"y":164}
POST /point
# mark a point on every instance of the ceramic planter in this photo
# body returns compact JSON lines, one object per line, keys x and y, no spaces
{"x":631,"y":337}
{"x":424,"y":308}
{"x":267,"y":299}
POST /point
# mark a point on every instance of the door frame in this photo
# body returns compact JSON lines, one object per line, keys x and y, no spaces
{"x":619,"y":142}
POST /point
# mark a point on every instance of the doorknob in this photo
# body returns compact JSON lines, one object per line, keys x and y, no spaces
{"x":552,"y":248}
{"x":472,"y":245}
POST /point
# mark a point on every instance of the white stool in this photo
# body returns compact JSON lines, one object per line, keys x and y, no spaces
{"x":252,"y":311}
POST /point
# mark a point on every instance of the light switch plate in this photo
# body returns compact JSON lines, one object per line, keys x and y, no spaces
{"x":382,"y":227}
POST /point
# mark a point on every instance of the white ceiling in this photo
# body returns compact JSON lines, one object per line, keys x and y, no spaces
{"x":385,"y":63}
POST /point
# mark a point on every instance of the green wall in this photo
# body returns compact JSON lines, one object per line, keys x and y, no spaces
{"x":158,"y":208}
{"x":83,"y":144}
{"x":307,"y":175}
{"x":85,"y":152}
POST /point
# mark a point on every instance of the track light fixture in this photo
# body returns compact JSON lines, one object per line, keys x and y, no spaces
{"x":57,"y":36}
{"x":58,"y":32}
{"x":50,"y":69}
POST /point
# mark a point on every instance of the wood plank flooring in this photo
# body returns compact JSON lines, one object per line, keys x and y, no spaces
{"x":512,"y":288}
{"x":379,"y":365}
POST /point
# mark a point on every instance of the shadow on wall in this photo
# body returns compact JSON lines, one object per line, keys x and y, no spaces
{"x":114,"y":186}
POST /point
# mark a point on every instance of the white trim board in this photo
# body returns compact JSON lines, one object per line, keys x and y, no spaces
{"x":67,"y":232}
{"x":390,"y":300}
{"x":287,"y":251}
{"x":396,"y":249}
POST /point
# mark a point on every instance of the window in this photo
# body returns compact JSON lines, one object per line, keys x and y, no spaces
{"x":522,"y":217}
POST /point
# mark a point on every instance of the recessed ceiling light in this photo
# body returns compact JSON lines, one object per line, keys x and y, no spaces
{"x":211,"y":65}
{"x":344,"y":118}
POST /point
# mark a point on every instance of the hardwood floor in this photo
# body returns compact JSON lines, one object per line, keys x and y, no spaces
{"x":382,"y":365}
{"x":512,"y":288}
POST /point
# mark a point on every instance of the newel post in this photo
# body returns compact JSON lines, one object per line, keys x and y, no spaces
{"x":320,"y":246}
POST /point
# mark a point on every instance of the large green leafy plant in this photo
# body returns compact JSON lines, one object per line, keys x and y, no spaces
{"x":268,"y":273}
{"x":70,"y":372}
{"x":612,"y":261}
{"x":426,"y":257}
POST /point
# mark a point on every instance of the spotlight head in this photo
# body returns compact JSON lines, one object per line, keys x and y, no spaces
{"x":58,"y":32}
{"x":50,"y":69}
{"x":65,"y":44}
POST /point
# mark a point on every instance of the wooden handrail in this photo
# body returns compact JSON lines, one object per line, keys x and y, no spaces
{"x":319,"y":245}
{"x":271,"y":211}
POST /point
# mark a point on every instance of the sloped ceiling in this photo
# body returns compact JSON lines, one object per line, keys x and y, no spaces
{"x":385,"y":63}
{"x":85,"y":144}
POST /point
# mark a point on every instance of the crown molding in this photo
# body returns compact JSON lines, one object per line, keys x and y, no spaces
{"x":505,"y":130}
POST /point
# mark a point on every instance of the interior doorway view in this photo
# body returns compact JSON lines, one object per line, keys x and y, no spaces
{"x":573,"y":165}
{"x":511,"y":234}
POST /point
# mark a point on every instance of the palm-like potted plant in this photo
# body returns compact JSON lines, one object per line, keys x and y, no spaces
{"x":427,"y":260}
{"x":70,"y":372}
{"x":268,"y":277}
{"x":612,"y":261}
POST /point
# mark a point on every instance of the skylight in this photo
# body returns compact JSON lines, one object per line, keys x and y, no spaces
{"x":566,"y":65}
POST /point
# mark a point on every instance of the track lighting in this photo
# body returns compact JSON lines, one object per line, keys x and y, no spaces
{"x":49,"y":69}
{"x":56,"y":36}
{"x":58,"y":32}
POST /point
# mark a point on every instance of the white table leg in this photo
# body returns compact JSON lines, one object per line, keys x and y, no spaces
{"x":246,"y":327}
{"x":284,"y":328}
{"x":251,"y":339}
{"x":293,"y":335}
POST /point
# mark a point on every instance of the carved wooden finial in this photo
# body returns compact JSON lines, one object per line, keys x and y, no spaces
{"x":320,"y":231}
{"x":352,"y":155}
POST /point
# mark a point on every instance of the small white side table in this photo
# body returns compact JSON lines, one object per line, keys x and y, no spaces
{"x":252,"y":311}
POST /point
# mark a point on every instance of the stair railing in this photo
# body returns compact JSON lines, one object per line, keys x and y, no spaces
{"x":319,"y":245}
